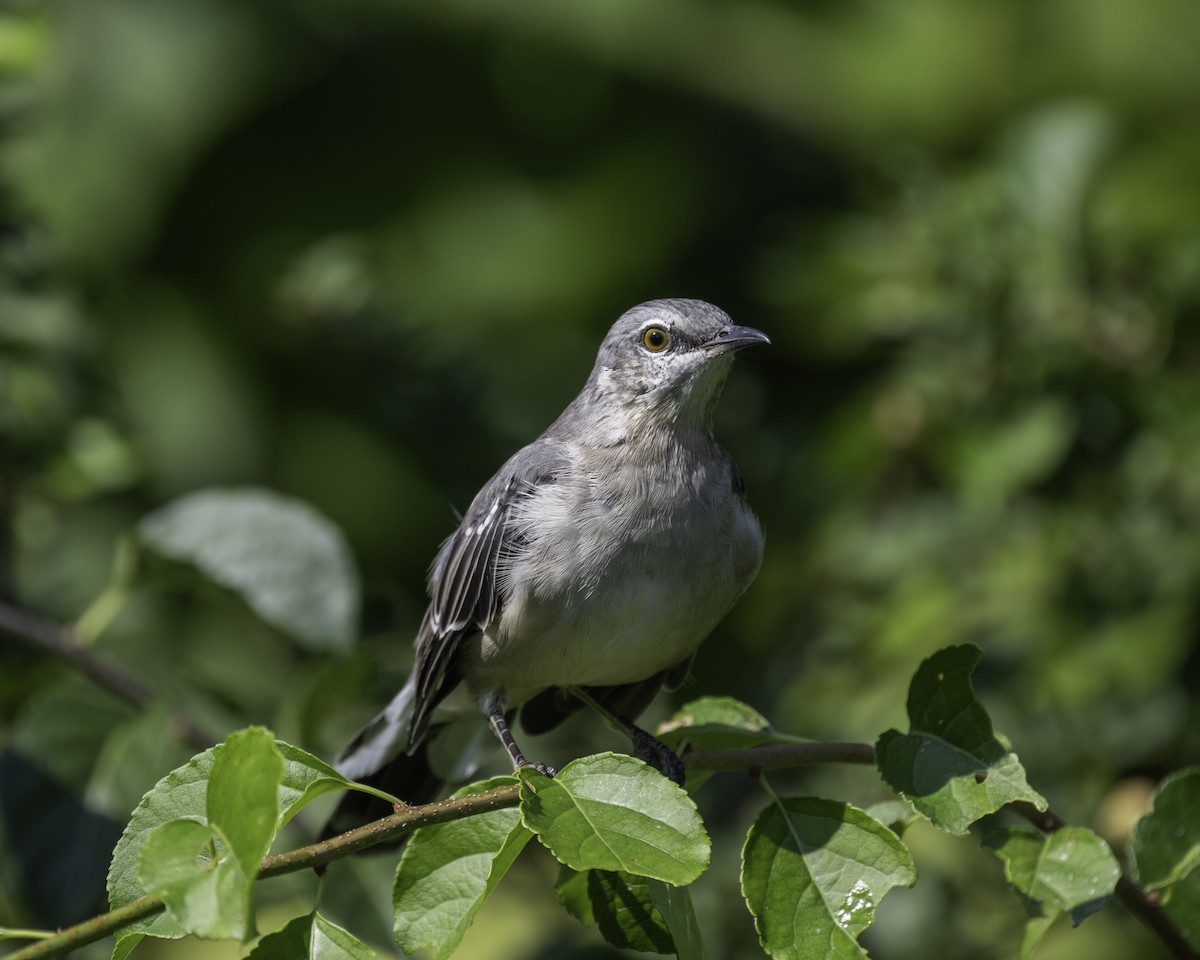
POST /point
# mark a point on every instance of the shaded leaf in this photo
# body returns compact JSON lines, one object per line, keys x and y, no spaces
{"x":625,"y":912}
{"x":306,"y":777}
{"x":675,"y":905}
{"x":125,"y":945}
{"x":571,"y":889}
{"x":896,"y":815}
{"x":448,"y":869}
{"x":812,"y":873}
{"x":311,"y":937}
{"x":1165,"y":850}
{"x":612,"y":812}
{"x":289,"y":563}
{"x":950,"y":765}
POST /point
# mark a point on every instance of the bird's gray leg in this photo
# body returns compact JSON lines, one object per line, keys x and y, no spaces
{"x":494,"y":707}
{"x":646,"y":746}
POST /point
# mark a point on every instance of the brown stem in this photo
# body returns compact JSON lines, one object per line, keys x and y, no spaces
{"x":61,"y":643}
{"x":315,"y":855}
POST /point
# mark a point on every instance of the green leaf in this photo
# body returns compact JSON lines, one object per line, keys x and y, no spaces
{"x":671,"y":907}
{"x":950,"y":765}
{"x":1035,"y":929}
{"x":311,"y":937}
{"x":572,"y":892}
{"x":1165,"y":850}
{"x":715,"y":723}
{"x":181,"y":793}
{"x":813,"y":871}
{"x":204,"y":887}
{"x":448,"y":869}
{"x":126,"y":944}
{"x":242,"y":802}
{"x":675,"y":905}
{"x":205,"y":870}
{"x":716,"y":711}
{"x":625,"y":913}
{"x":1068,"y":871}
{"x":306,"y":777}
{"x":612,"y":812}
{"x":184,"y":793}
{"x":289,"y":563}
{"x":897,"y":815}
{"x":1166,"y":841}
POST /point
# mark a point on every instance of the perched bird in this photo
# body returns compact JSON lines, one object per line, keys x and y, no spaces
{"x":590,"y":568}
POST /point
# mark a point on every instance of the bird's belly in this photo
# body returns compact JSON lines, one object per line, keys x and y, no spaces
{"x":601,"y":643}
{"x":597,"y":618}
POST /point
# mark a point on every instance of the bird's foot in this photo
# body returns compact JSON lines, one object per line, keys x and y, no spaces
{"x":658,"y":755}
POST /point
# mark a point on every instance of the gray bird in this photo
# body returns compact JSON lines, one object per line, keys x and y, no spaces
{"x":591,"y":567}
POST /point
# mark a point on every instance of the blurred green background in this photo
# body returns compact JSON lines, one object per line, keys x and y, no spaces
{"x":360,"y":252}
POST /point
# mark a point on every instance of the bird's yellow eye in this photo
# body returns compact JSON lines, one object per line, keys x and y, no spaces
{"x":655,"y":339}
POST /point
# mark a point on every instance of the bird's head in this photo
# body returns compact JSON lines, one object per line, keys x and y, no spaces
{"x":667,"y":360}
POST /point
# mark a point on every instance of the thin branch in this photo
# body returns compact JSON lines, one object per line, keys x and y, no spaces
{"x":97,"y":928}
{"x":62,"y":643}
{"x":316,"y":855}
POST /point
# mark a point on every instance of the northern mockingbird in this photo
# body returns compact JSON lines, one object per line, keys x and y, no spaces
{"x":590,"y":568}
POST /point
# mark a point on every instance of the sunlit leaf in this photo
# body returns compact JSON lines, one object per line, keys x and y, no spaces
{"x":612,"y":812}
{"x":242,"y":801}
{"x":813,"y":872}
{"x":448,"y":869}
{"x":205,"y":889}
{"x":184,"y":793}
{"x":205,"y":871}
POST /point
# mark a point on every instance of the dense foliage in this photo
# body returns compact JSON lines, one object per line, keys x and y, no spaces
{"x":357,"y":253}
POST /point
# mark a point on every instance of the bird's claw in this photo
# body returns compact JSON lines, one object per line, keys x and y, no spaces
{"x":543,"y":768}
{"x":660,"y":756}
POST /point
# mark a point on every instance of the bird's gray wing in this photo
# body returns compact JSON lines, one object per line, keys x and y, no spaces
{"x":465,"y":586}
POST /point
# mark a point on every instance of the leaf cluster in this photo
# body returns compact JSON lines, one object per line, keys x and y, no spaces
{"x":630,"y":843}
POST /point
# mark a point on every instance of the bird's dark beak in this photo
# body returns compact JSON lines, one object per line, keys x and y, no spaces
{"x":734,"y":338}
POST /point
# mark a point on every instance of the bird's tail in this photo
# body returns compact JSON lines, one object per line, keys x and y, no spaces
{"x":379,"y":756}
